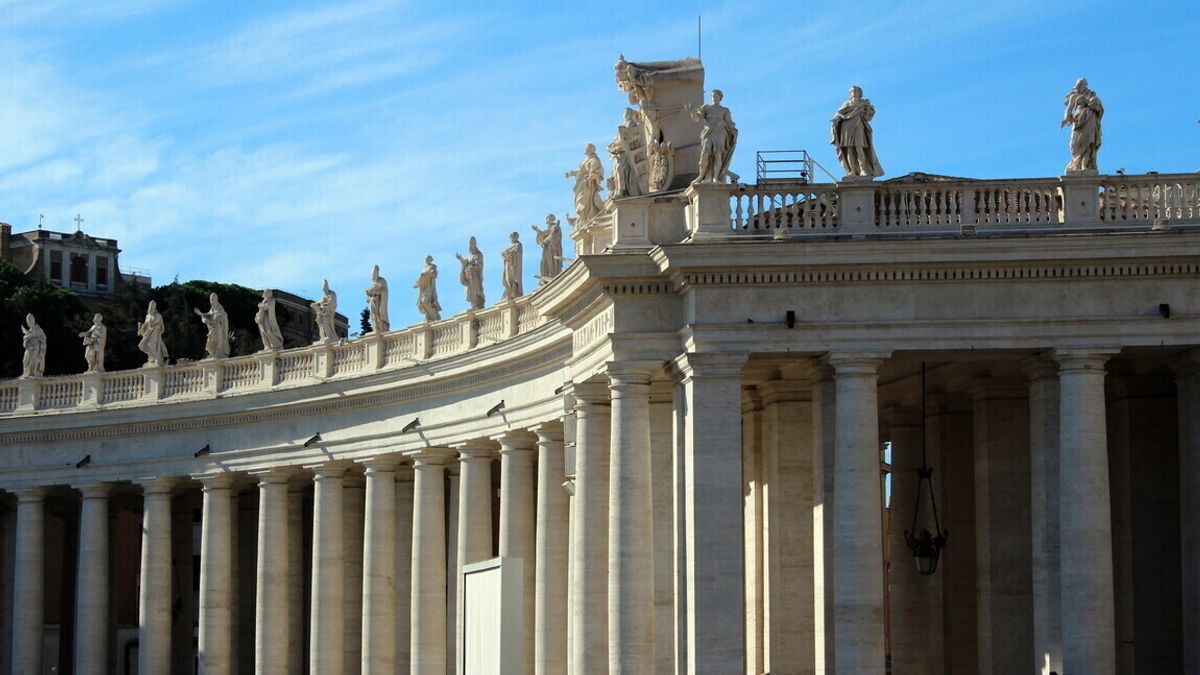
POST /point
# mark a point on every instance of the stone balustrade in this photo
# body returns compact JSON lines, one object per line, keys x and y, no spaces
{"x":944,"y":207}
{"x":274,"y":369}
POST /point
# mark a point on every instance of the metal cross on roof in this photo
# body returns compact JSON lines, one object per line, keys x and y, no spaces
{"x":78,"y":222}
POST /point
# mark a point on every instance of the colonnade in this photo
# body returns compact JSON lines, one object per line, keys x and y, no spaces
{"x":648,"y":566}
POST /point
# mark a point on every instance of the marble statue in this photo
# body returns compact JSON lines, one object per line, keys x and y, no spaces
{"x":33,"y":339}
{"x":511,"y":276}
{"x":851,"y":135}
{"x":268,"y":326}
{"x":625,"y":181}
{"x":662,"y":164}
{"x":550,"y":239}
{"x":94,"y":340}
{"x":217,"y":320}
{"x":377,"y":302}
{"x":632,"y":80}
{"x":589,"y":179}
{"x":1083,"y":112}
{"x":427,"y":299}
{"x":718,"y":138}
{"x":325,"y":314}
{"x":471,"y":276}
{"x":151,"y":332}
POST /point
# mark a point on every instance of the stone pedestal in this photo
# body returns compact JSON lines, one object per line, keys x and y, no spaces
{"x":1081,"y":199}
{"x":631,"y":223}
{"x":708,"y":215}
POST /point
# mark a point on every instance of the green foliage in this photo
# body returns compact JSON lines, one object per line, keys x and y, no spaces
{"x":60,"y":313}
{"x":63,"y":315}
{"x":364,"y":321}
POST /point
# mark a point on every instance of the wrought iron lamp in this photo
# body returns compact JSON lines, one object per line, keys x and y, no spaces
{"x":926,"y":545}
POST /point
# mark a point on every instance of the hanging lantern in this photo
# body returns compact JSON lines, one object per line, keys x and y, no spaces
{"x":926,"y":545}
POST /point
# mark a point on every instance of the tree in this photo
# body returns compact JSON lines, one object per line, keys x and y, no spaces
{"x":60,"y":313}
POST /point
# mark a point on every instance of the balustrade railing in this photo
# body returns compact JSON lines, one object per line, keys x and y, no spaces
{"x":447,"y":338}
{"x":243,"y":371}
{"x":1031,"y":202}
{"x":1150,"y":198}
{"x":919,"y":206}
{"x":183,"y":380}
{"x":763,"y":208}
{"x":60,"y":392}
{"x":350,"y":357}
{"x":297,"y":365}
{"x":123,"y":386}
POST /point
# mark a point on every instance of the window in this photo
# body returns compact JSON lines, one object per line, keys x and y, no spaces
{"x":56,"y":274}
{"x":102,"y":273}
{"x":79,"y":270}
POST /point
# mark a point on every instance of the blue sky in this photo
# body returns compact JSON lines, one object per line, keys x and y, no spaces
{"x":275,"y":145}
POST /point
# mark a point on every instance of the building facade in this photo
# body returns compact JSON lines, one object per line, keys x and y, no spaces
{"x":75,"y":261}
{"x":680,"y":439}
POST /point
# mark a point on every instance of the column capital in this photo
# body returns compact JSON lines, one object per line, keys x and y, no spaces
{"x":279,"y":474}
{"x":380,"y":464}
{"x":517,"y":441}
{"x":857,"y":362}
{"x":751,"y":399}
{"x":997,"y":388}
{"x":95,"y":490}
{"x":1186,"y":363}
{"x":31,"y":495}
{"x":631,"y":372}
{"x":549,"y":432}
{"x":785,"y":391}
{"x":216,"y":481}
{"x":1039,"y":366}
{"x":430,"y":457}
{"x":477,"y":450}
{"x":1071,"y":359}
{"x":900,"y":416}
{"x":711,"y":365}
{"x":161,"y":485}
{"x":591,"y":392}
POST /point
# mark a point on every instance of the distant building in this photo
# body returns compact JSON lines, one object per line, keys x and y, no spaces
{"x":296,"y":321}
{"x":77,"y":261}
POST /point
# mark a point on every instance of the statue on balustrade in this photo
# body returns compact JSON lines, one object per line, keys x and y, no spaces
{"x":471,"y":276}
{"x":851,"y":135}
{"x":427,"y":298}
{"x":511,"y":276}
{"x":550,"y":239}
{"x":217,"y":320}
{"x":151,"y":332}
{"x":33,"y":339}
{"x":589,"y":181}
{"x":94,"y":340}
{"x":718,"y":138}
{"x":1082,"y":114}
{"x":625,"y":181}
{"x":268,"y":326}
{"x":325,"y":314}
{"x":377,"y":302}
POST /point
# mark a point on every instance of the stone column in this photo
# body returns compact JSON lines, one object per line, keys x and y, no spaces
{"x":715,"y":571}
{"x":474,"y":534}
{"x":1088,"y":631}
{"x":916,"y":646}
{"x":353,"y":506}
{"x":824,"y":395}
{"x":550,"y":594}
{"x":1043,"y":487}
{"x":327,"y":623}
{"x":517,"y":520}
{"x":216,"y":576}
{"x":154,"y":601}
{"x":858,"y":533}
{"x":589,"y":567}
{"x":662,"y":455}
{"x":1187,"y":383}
{"x":404,"y":538}
{"x":1003,"y":552}
{"x":296,"y":581}
{"x":951,"y":442}
{"x":379,"y":571}
{"x":788,"y":504}
{"x":271,"y":587}
{"x":91,"y":585}
{"x":754,"y":530}
{"x":29,"y":582}
{"x":631,"y":521}
{"x":454,"y":598}
{"x":428,"y":615}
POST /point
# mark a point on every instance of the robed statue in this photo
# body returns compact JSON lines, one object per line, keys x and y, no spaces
{"x":718,"y":138}
{"x":427,"y":298}
{"x":1083,"y":112}
{"x":217,"y":321}
{"x":94,"y":340}
{"x":471,"y":275}
{"x":377,"y":302}
{"x":550,"y":239}
{"x":151,"y":332}
{"x":268,"y":325}
{"x":589,"y":180}
{"x":511,"y":258}
{"x":851,"y":135}
{"x":325,"y":314}
{"x":33,"y":339}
